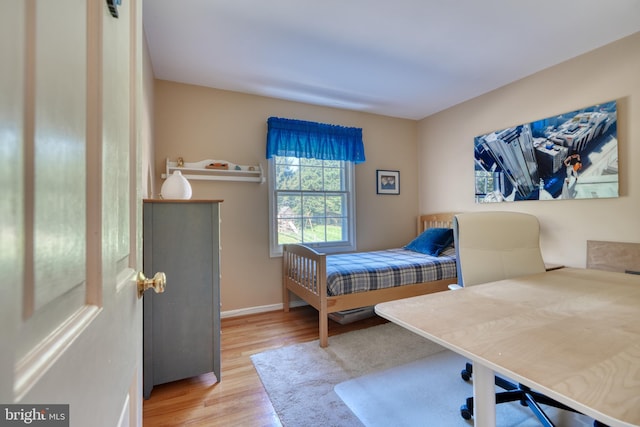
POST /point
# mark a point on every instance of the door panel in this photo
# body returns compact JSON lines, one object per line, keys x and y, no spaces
{"x":59,"y":149}
{"x":12,"y":28}
{"x":69,"y":310}
{"x":55,"y":116}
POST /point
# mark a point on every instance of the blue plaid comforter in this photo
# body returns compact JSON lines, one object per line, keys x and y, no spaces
{"x":366,"y":271}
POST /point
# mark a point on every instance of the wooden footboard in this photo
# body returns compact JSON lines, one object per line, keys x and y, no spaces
{"x":304,"y":272}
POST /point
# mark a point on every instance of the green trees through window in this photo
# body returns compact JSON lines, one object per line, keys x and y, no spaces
{"x":311,"y":200}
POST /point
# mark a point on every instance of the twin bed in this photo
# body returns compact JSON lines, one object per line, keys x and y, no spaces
{"x":333,"y":283}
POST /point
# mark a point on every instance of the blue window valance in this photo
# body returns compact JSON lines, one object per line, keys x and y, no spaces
{"x":298,"y":138}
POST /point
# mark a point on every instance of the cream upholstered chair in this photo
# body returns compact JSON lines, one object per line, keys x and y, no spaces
{"x":496,"y":245}
{"x":493,"y":246}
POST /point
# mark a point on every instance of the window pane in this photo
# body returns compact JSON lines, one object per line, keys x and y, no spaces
{"x":289,"y":230}
{"x":314,"y":230}
{"x":289,"y":205}
{"x":289,"y":217}
{"x":311,"y":178}
{"x":336,"y":217}
{"x":333,"y":179}
{"x":287,"y":174}
{"x":313,"y":205}
{"x":336,"y":229}
{"x":336,"y":205}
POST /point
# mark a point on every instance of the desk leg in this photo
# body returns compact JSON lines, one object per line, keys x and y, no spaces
{"x":484,"y":397}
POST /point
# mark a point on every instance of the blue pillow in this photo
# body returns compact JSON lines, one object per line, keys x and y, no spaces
{"x":432,"y":241}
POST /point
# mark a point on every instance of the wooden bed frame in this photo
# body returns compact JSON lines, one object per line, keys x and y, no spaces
{"x":304,"y":274}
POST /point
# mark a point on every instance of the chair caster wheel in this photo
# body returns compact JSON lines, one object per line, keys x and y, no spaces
{"x":465,"y":412}
{"x":465,"y":375}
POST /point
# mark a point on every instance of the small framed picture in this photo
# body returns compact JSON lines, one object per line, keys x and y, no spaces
{"x":388,"y":182}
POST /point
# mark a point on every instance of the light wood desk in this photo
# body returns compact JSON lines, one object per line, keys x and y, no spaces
{"x":572,"y":334}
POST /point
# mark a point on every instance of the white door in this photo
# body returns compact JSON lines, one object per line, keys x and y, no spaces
{"x":70,"y":319}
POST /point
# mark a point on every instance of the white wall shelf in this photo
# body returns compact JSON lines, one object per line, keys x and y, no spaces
{"x":199,"y":171}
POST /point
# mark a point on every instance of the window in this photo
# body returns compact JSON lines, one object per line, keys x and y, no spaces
{"x":311,"y":184}
{"x":312,"y":201}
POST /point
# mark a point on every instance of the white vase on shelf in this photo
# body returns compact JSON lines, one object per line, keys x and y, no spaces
{"x":176,"y":186}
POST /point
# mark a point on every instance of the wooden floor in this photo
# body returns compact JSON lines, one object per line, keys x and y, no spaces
{"x":239,"y":399}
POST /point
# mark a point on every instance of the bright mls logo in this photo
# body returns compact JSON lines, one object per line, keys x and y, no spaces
{"x":34,"y":415}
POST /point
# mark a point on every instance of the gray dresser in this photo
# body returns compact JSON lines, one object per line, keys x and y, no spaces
{"x":181,"y":325}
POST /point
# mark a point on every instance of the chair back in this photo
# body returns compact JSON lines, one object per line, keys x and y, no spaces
{"x":494,"y":246}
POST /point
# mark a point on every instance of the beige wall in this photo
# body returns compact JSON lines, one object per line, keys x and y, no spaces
{"x":199,"y":123}
{"x":446,"y":148}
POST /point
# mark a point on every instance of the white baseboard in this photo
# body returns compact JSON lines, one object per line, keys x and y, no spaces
{"x":259,"y":309}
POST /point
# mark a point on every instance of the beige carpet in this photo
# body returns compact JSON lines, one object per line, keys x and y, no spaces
{"x":385,"y":374}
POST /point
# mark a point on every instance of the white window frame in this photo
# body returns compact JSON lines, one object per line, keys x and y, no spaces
{"x":275,"y":250}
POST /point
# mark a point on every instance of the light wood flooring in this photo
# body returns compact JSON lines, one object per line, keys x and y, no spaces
{"x":239,"y":399}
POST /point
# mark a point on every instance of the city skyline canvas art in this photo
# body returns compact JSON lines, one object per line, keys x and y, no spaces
{"x":572,"y":155}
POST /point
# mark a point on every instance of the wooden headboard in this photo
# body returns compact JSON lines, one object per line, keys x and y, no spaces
{"x":442,"y":220}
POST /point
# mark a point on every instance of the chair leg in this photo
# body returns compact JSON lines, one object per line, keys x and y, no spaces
{"x":466,"y":410}
{"x":467,"y":372}
{"x":505,"y":385}
{"x":534,"y":396}
{"x":514,"y":393}
{"x":537,"y":411}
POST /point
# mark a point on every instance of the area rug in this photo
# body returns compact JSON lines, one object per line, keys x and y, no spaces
{"x":299,"y":379}
{"x":379,"y":376}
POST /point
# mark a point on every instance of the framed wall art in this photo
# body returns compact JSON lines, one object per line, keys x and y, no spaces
{"x":387,"y":182}
{"x":569,"y":156}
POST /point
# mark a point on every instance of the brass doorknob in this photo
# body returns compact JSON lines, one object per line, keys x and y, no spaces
{"x":158,"y":283}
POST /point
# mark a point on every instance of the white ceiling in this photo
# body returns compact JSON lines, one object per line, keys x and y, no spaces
{"x":400,"y":58}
